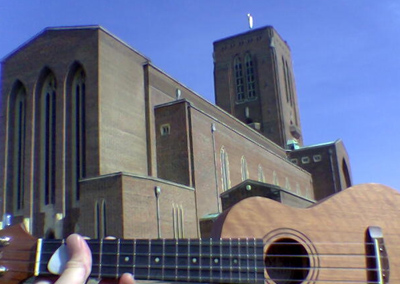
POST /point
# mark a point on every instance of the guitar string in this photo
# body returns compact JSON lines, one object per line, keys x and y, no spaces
{"x":241,"y":256}
{"x":216,"y":242}
{"x":232,"y":279}
{"x":202,"y":242}
{"x":223,"y":267}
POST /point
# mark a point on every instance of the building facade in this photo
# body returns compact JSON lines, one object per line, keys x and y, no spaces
{"x":95,"y":139}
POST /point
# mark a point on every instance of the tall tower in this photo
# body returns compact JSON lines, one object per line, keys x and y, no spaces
{"x":254,"y":82}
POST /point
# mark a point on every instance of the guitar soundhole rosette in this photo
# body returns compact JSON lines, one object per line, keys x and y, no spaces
{"x":287,"y":262}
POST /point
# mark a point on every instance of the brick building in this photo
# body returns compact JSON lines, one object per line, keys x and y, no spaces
{"x":96,"y":139}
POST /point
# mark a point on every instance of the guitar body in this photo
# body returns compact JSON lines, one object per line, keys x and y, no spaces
{"x":325,"y":243}
{"x":351,"y":237}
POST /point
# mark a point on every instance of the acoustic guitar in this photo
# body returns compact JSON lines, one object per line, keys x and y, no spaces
{"x":350,"y":237}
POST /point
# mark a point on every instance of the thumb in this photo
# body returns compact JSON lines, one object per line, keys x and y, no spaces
{"x":78,"y":267}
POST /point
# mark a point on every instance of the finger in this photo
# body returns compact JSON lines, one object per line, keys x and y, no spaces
{"x":45,"y":280}
{"x":126,"y":278}
{"x":78,"y":268}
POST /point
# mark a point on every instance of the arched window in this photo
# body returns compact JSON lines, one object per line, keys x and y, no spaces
{"x":250,"y":77}
{"x":290,"y":81}
{"x":224,"y":169}
{"x":286,"y":76}
{"x":78,"y":129}
{"x":237,"y":64}
{"x":297,"y":188}
{"x":275,"y":179}
{"x":48,"y":139}
{"x":100,"y":218}
{"x":261,"y":176}
{"x":346,"y":174}
{"x":178,"y":221}
{"x":287,"y":184}
{"x":17,"y":122}
{"x":245,"y":172}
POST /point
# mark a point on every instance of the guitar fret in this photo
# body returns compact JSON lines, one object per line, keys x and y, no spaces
{"x":239,"y":260}
{"x":149,"y":260}
{"x":188,"y":261}
{"x":200,"y":259}
{"x":134,"y":258}
{"x":255,"y":260}
{"x":118,"y":257}
{"x":211,"y":262}
{"x":163,"y":260}
{"x":176,"y":259}
{"x":247,"y":258}
{"x":100,"y":257}
{"x":230,"y":259}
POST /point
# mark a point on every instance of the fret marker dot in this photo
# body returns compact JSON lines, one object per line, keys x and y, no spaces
{"x":157,"y":259}
{"x":235,"y":261}
{"x":194,"y":260}
{"x":216,"y":260}
{"x":126,"y":259}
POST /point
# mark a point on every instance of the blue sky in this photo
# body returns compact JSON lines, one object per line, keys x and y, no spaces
{"x":345,"y":53}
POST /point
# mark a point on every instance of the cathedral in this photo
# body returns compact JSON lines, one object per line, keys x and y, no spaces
{"x":95,"y":139}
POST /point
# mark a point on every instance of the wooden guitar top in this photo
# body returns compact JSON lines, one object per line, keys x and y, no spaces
{"x":333,"y":232}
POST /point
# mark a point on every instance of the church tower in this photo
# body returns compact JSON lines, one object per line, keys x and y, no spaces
{"x":254,"y":82}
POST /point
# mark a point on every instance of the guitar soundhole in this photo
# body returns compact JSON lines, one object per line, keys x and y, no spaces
{"x":287,"y":262}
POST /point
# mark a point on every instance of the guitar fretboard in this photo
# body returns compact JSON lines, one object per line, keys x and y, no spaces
{"x":189,"y":260}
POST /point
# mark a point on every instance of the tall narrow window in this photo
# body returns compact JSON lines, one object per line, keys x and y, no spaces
{"x":287,"y":184}
{"x":297,"y":188}
{"x":100,"y":218}
{"x":237,"y":64}
{"x":261,"y":176}
{"x":178,"y":221}
{"x":97,"y":220}
{"x":18,"y":123}
{"x":251,"y":82}
{"x":103,"y":219}
{"x":290,"y":82}
{"x":286,"y":77}
{"x":245,"y":172}
{"x":78,"y":125}
{"x":224,"y":169}
{"x":48,"y":139}
{"x":275,"y":179}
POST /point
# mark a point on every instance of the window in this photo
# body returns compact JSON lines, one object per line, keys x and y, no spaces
{"x":305,"y":160}
{"x":48,"y":139}
{"x":297,"y":188}
{"x":287,"y":184}
{"x":275,"y":179}
{"x":245,"y":172}
{"x":251,"y":82}
{"x":290,"y":83}
{"x":165,"y":129}
{"x":224,"y":169}
{"x":100,"y":217}
{"x":294,"y":161}
{"x":261,"y":176}
{"x":317,"y":158}
{"x":239,"y":79}
{"x":178,"y":223}
{"x":78,"y":125}
{"x":17,"y":124}
{"x":285,"y":75}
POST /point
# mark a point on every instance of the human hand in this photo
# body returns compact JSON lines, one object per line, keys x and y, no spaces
{"x":78,"y":267}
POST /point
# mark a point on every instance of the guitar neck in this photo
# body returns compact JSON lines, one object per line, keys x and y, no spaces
{"x":189,"y":260}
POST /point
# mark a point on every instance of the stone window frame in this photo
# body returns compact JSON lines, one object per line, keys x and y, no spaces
{"x":17,"y":123}
{"x":48,"y":134}
{"x":239,"y":81}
